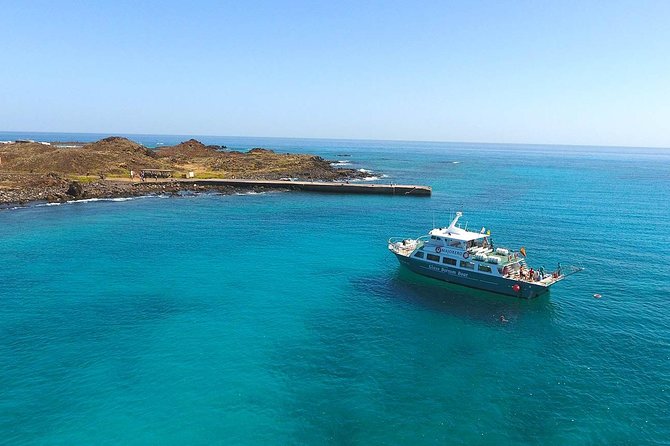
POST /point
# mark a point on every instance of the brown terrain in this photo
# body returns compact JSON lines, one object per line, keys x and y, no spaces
{"x":32,"y":171}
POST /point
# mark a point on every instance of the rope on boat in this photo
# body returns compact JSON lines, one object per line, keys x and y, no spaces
{"x":573,"y":270}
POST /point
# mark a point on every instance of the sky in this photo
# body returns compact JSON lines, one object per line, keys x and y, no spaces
{"x":563,"y":72}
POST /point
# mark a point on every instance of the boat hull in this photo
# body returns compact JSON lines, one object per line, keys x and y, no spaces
{"x":472,"y":279}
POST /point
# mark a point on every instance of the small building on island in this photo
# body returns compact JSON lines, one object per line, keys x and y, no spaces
{"x":156,"y":173}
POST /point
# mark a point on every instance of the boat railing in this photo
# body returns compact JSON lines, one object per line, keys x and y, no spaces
{"x":569,"y":270}
{"x":563,"y":271}
{"x":547,"y":278}
{"x":394,"y":240}
{"x":418,"y":240}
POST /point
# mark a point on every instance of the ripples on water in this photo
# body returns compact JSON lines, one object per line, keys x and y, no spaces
{"x":281,"y":318}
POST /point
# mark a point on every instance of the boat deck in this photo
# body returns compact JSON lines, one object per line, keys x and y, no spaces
{"x":407,"y":247}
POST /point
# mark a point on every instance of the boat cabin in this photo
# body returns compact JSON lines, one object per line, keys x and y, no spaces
{"x":458,"y":238}
{"x":458,"y":247}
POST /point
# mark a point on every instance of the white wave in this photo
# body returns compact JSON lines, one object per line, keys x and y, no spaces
{"x":250,"y":193}
{"x":13,"y":208}
{"x":365,"y":170}
{"x":90,"y":200}
{"x":370,"y":178}
{"x":455,"y":162}
{"x":93,"y":200}
{"x":122,"y":198}
{"x":340,"y":163}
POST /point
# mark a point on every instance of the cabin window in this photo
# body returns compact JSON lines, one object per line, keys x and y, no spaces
{"x":485,"y":268}
{"x":419,"y":255}
{"x":433,"y":237}
{"x":466,"y":264}
{"x":433,"y":257}
{"x":449,"y":261}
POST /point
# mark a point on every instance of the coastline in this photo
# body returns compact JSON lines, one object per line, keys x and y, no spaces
{"x":115,"y":167}
{"x":65,"y":191}
{"x":110,"y":189}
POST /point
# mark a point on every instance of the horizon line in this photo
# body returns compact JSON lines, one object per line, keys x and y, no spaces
{"x":349,"y":139}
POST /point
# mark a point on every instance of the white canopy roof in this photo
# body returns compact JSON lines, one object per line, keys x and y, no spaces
{"x":456,"y":233}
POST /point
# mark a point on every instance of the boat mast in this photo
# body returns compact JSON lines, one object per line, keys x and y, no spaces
{"x":452,"y":225}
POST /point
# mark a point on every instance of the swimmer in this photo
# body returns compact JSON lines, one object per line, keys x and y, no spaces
{"x":502,"y":319}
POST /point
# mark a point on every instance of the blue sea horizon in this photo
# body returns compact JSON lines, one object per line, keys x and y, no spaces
{"x":281,"y":318}
{"x":240,"y":142}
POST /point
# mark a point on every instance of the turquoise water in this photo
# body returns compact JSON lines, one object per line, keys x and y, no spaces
{"x":280,"y":318}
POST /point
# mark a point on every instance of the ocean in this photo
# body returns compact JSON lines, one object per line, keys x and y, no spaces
{"x":281,"y":317}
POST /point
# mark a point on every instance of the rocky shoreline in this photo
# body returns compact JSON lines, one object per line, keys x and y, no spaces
{"x":40,"y":172}
{"x":53,"y":189}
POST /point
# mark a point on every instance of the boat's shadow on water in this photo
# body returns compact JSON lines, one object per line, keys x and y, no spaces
{"x":456,"y":300}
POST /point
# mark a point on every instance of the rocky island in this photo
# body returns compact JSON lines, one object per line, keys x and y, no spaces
{"x":119,"y":167}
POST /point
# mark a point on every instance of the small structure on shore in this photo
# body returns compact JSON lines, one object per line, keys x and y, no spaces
{"x":318,"y":186}
{"x":156,"y":173}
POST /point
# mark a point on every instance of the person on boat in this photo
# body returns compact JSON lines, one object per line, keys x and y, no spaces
{"x":531,"y":274}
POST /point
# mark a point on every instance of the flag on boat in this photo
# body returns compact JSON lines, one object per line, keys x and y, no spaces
{"x":523,"y":251}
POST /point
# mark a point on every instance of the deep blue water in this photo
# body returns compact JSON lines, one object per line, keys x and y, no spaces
{"x":281,"y":318}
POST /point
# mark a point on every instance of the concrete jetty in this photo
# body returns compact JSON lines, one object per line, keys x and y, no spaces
{"x":339,"y":188}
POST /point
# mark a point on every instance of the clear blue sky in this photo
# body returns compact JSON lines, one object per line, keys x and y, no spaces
{"x":567,"y":72}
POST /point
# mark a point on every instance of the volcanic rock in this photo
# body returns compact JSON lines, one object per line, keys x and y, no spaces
{"x":75,"y":190}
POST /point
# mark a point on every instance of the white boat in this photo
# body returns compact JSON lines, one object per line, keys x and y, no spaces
{"x":456,"y":255}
